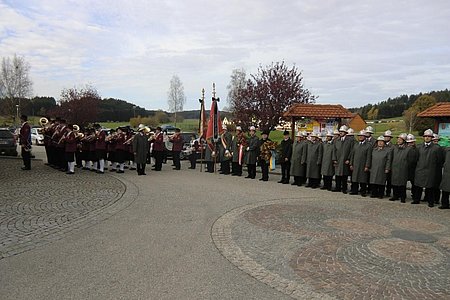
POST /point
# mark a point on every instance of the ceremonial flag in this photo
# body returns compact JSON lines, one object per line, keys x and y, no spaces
{"x":202,"y":120}
{"x":215,"y":123}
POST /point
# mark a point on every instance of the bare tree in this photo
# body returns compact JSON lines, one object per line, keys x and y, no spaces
{"x":237,"y":83}
{"x":176,"y":97}
{"x":15,"y":82}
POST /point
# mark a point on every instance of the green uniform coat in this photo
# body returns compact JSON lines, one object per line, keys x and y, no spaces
{"x":327,"y":168}
{"x":445,"y":182}
{"x":251,"y":155}
{"x":341,"y":153}
{"x":401,"y":160}
{"x":381,"y":161}
{"x":314,"y":160}
{"x":428,"y":166}
{"x":228,"y":138}
{"x":298,"y":159}
{"x":361,"y":158}
{"x":140,"y":147}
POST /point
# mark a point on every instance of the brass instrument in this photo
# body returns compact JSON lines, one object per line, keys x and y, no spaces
{"x":44,"y":125}
{"x":129,"y":141}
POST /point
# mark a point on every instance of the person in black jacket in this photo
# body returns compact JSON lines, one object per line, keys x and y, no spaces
{"x":285,"y":158}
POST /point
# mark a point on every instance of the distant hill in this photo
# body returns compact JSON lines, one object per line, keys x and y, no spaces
{"x":394,"y":107}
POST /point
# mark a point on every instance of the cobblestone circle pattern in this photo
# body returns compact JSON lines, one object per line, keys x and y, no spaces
{"x":345,"y":248}
{"x":44,"y":205}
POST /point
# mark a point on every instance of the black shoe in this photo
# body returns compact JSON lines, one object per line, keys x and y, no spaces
{"x":444,"y":207}
{"x":113,"y":170}
{"x":344,"y":192}
{"x":430,"y":204}
{"x":248,"y":177}
{"x":25,"y":168}
{"x":143,"y":173}
{"x":294,"y":183}
{"x":373,"y":196}
{"x":415,"y":202}
{"x":393,"y":199}
{"x":100,"y":172}
{"x":120,"y":171}
{"x":265,"y":179}
{"x":286,"y":182}
{"x":403,"y":200}
{"x":353,"y":193}
{"x":70,"y":173}
{"x":363,"y":195}
{"x":281,"y":181}
{"x":261,"y":179}
{"x":336,"y":190}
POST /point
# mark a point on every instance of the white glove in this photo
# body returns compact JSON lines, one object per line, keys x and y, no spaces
{"x":248,"y":148}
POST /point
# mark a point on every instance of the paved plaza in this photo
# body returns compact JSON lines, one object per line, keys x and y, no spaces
{"x":191,"y":235}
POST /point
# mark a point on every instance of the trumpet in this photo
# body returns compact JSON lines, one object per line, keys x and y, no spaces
{"x":129,"y":141}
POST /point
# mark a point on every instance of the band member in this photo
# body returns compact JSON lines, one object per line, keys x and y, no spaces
{"x":25,"y":142}
{"x":285,"y":158}
{"x":239,"y":145}
{"x":437,"y":191}
{"x":194,"y":148}
{"x":111,"y":149}
{"x":298,"y":159}
{"x":140,"y":149}
{"x":85,"y":149}
{"x":360,"y":161}
{"x":314,"y":161}
{"x":341,"y":159}
{"x":252,"y":153}
{"x":369,"y":138}
{"x":225,"y":151}
{"x":265,"y":154}
{"x":121,"y":153}
{"x":445,"y":182}
{"x":428,"y":165}
{"x":379,"y":167}
{"x":59,"y":146}
{"x":158,"y":149}
{"x":210,"y":155}
{"x":100,"y":148}
{"x":401,"y":160}
{"x":70,"y":147}
{"x":177,"y":145}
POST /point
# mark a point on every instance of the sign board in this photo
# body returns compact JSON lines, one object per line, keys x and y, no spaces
{"x":444,"y":133}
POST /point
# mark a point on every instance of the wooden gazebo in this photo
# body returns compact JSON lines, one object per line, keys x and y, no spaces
{"x":335,"y":112}
{"x":440,"y":112}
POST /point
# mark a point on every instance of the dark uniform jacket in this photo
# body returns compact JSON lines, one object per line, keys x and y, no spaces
{"x":70,"y":144}
{"x":428,"y":166}
{"x":381,"y":161}
{"x":140,"y":148}
{"x":361,"y":158}
{"x":327,"y":168}
{"x":25,"y":135}
{"x":401,"y":161}
{"x":445,"y":182}
{"x":341,"y":153}
{"x":286,"y":151}
{"x":227,"y":139}
{"x":298,"y":158}
{"x":314,"y":159}
{"x":251,"y":155}
{"x":177,"y":142}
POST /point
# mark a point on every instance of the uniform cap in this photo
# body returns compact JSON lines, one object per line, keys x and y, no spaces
{"x":428,"y":132}
{"x":252,"y":128}
{"x":362,"y":132}
{"x":304,"y":133}
{"x":141,"y":127}
{"x":369,"y":129}
{"x":436,"y":137}
{"x":380,"y":138}
{"x":403,"y":136}
{"x":329,"y":133}
{"x":239,"y":128}
{"x":410,"y":138}
{"x":343,"y":128}
{"x":298,"y":134}
{"x":314,"y":134}
{"x":350,"y":131}
{"x":387,"y":133}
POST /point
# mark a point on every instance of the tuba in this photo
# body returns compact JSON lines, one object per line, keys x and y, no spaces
{"x":44,"y":123}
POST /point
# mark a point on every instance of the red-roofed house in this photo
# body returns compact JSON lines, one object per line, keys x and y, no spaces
{"x":440,"y":112}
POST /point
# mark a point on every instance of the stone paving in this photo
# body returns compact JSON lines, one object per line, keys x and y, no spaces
{"x":350,"y":248}
{"x":44,"y":205}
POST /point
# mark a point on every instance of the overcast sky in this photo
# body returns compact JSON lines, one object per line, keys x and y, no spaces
{"x":350,"y":52}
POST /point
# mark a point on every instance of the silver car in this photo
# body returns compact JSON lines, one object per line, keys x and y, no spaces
{"x":36,"y":137}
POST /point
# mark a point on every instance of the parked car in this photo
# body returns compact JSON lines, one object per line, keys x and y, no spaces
{"x":36,"y":137}
{"x":186,"y":144}
{"x":8,"y":144}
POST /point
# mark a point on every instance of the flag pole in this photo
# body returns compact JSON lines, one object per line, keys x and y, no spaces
{"x":214,"y":126}
{"x":200,"y":127}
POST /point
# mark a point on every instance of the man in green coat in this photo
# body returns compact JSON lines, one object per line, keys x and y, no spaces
{"x":314,"y":161}
{"x":402,"y":157}
{"x":428,"y":165}
{"x":225,"y":151}
{"x":379,"y":167}
{"x":341,"y":158}
{"x":298,"y":159}
{"x":140,"y":149}
{"x":360,"y":160}
{"x":252,"y":153}
{"x":327,"y":168}
{"x":445,"y":182}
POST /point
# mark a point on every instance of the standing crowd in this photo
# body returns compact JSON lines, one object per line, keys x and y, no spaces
{"x":374,"y":166}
